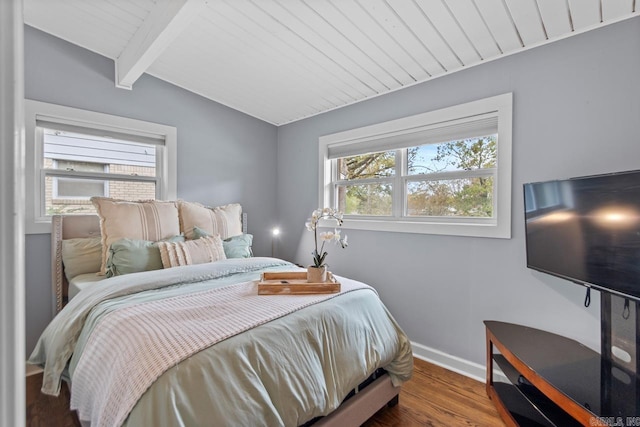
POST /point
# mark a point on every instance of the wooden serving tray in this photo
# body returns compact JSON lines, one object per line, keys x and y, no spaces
{"x":295,"y":283}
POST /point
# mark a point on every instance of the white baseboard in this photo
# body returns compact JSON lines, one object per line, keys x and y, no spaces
{"x":453,"y":363}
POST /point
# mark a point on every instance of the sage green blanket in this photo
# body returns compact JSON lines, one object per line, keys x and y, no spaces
{"x":284,"y":372}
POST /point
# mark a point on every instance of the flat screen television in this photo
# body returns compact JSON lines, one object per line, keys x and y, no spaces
{"x":587,"y":230}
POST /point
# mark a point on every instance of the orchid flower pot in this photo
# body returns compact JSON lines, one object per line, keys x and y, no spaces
{"x":317,"y":274}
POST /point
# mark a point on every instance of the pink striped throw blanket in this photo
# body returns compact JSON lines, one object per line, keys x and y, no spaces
{"x":131,"y":347}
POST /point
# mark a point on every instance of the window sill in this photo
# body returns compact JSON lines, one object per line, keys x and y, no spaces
{"x":38,"y":226}
{"x":468,"y":229}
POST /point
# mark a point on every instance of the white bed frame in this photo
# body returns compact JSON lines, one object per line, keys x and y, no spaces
{"x":353,"y":412}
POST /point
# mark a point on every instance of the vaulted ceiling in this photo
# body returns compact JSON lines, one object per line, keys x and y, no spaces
{"x":284,"y":60}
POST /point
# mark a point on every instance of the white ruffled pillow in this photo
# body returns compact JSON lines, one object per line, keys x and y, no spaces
{"x":200,"y":251}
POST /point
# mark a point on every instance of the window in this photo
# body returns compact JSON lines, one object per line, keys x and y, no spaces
{"x":78,"y":166}
{"x":73,"y":189}
{"x":543,"y":197}
{"x":442,"y":172}
{"x":74,"y":155}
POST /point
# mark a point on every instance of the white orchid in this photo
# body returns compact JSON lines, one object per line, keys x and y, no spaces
{"x":325,"y":236}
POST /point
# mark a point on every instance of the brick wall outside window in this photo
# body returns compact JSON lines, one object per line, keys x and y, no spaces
{"x":126,"y":190}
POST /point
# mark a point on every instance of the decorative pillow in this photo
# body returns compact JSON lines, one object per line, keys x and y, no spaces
{"x":238,"y":246}
{"x":234,"y":247}
{"x":81,"y":255}
{"x":200,"y":251}
{"x":222,"y":220}
{"x":132,"y":256}
{"x":151,"y":220}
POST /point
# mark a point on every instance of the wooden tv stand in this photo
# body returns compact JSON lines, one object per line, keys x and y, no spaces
{"x":552,"y":380}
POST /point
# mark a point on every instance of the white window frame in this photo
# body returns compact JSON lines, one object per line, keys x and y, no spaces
{"x":37,"y":221}
{"x":359,"y":139}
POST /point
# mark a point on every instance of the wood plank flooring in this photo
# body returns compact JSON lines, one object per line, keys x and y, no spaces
{"x":434,"y":397}
{"x":437,"y":397}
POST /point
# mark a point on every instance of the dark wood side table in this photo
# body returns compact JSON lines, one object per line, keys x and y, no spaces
{"x":550,"y":380}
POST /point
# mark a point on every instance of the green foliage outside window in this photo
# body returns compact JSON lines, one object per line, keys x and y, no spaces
{"x":367,"y":199}
{"x":371,"y":198}
{"x":427,"y":195}
{"x":373,"y":165}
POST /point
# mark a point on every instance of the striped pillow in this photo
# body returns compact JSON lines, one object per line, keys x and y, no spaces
{"x":222,"y":220}
{"x":200,"y":251}
{"x":143,"y":220}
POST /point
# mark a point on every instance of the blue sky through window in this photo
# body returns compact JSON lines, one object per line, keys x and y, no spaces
{"x":425,"y":159}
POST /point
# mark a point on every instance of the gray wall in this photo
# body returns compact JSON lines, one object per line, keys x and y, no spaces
{"x":224,"y":156}
{"x":576,"y":112}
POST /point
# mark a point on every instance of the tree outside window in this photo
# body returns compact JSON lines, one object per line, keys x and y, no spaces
{"x":446,"y":171}
{"x":450,"y":179}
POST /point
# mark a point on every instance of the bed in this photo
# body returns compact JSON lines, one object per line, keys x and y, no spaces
{"x":196,"y":345}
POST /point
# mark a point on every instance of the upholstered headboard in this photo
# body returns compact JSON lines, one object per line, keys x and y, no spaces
{"x":70,"y":227}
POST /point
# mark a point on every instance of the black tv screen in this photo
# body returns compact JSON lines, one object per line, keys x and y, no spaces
{"x":587,"y":230}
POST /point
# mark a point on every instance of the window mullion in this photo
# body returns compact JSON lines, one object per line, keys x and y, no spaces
{"x":364,"y":181}
{"x":161,"y":171}
{"x":398,"y":191}
{"x":333,"y":200}
{"x":98,"y":175}
{"x":453,"y":174}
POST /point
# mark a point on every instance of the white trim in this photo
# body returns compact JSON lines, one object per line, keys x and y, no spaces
{"x":450,"y":362}
{"x":12,"y":266}
{"x":36,"y":221}
{"x":499,"y":227}
{"x":456,"y":364}
{"x":166,"y":21}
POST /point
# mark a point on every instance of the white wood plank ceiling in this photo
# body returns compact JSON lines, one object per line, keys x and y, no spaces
{"x":284,"y":60}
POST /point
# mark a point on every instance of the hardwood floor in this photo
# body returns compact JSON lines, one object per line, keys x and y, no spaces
{"x":439,"y":398}
{"x":434,"y":397}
